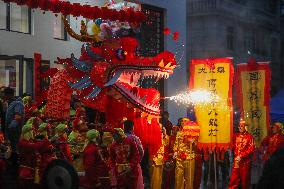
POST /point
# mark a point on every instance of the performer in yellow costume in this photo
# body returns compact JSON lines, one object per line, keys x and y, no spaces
{"x":156,"y":170}
{"x":184,"y":152}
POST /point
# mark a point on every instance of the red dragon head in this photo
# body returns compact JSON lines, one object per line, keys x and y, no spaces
{"x":115,"y":64}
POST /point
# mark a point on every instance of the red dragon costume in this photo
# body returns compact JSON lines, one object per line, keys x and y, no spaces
{"x":110,"y":77}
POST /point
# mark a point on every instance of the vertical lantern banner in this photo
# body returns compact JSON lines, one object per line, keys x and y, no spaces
{"x":253,"y":86}
{"x":216,"y":118}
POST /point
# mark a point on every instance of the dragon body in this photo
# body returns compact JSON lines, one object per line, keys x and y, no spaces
{"x":112,"y":78}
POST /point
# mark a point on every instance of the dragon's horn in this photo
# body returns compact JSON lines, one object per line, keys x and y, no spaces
{"x":84,"y":37}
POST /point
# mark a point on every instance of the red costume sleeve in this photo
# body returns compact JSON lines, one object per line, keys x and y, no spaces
{"x":134,"y":155}
{"x":91,"y":161}
{"x":29,"y":145}
{"x":65,"y":149}
{"x":249,"y":147}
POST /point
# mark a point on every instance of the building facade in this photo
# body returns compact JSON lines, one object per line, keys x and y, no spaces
{"x":24,"y":32}
{"x":236,"y":28}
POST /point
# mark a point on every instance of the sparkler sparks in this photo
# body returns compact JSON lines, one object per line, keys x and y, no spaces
{"x":195,"y":97}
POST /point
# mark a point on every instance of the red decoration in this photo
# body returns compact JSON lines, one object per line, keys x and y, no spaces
{"x":37,"y":75}
{"x":175,"y":36}
{"x":167,"y":31}
{"x":76,"y":9}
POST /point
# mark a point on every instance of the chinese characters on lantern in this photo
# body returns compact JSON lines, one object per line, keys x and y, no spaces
{"x":215,"y":119}
{"x":253,"y":89}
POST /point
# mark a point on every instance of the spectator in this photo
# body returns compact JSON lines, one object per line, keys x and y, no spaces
{"x":166,"y":122}
{"x":128,"y":129}
{"x":272,"y":175}
{"x":2,"y":110}
{"x":124,"y":160}
{"x":14,"y":118}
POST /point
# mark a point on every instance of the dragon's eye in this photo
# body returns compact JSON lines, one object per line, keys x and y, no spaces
{"x":121,"y":54}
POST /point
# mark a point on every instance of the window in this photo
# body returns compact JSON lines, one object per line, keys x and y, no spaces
{"x":230,"y":38}
{"x":15,"y":18}
{"x":59,"y":31}
{"x":3,"y":15}
{"x":9,"y":74}
{"x":19,"y":18}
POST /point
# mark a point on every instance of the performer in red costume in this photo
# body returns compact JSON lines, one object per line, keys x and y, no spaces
{"x":27,"y":156}
{"x":45,"y":152}
{"x":124,"y":157}
{"x":243,"y":150}
{"x":92,"y":161}
{"x":273,"y":142}
{"x":169,"y":171}
{"x":30,"y":108}
{"x":61,"y":143}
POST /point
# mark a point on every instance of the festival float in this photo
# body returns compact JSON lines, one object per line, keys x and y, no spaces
{"x":107,"y":76}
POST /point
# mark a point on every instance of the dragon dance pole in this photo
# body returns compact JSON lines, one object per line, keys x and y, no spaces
{"x":215,"y":171}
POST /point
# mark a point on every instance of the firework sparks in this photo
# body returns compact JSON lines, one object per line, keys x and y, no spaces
{"x":195,"y":97}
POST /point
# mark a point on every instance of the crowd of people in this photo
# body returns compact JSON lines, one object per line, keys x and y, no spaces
{"x":115,"y":157}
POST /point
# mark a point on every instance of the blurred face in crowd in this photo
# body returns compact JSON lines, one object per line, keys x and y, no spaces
{"x":183,"y":122}
{"x":117,"y":137}
{"x":275,"y":128}
{"x":242,"y":127}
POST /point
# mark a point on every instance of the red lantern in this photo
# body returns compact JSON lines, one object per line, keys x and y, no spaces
{"x":44,"y":5}
{"x":32,"y":3}
{"x":175,"y":36}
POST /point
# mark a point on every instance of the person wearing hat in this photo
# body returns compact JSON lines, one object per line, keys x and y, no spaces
{"x":92,"y":161}
{"x":76,"y":139}
{"x":157,"y":162}
{"x":105,"y":173}
{"x":243,"y":148}
{"x":273,"y":142}
{"x":169,"y":170}
{"x":46,"y":150}
{"x":60,"y":140}
{"x":27,"y":156}
{"x":185,"y":154}
{"x":35,"y":122}
{"x":124,"y":159}
{"x":29,"y":107}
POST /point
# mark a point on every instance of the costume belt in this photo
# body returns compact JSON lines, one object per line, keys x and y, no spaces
{"x":122,"y":167}
{"x":186,"y":156}
{"x":23,"y":166}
